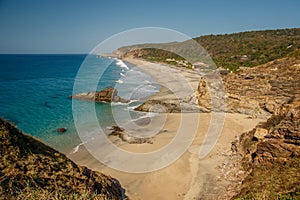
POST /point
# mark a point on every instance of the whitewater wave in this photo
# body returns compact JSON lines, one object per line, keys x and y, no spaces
{"x":131,"y":108}
{"x":122,"y":64}
{"x":75,"y":149}
{"x":122,"y":74}
{"x":120,"y":103}
{"x":149,"y":115}
{"x":119,"y":81}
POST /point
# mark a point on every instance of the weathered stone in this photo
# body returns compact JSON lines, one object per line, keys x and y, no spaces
{"x":257,"y":91}
{"x":260,"y":133}
{"x":108,"y":95}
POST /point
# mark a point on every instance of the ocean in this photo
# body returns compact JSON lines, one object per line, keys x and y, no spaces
{"x":35,"y":91}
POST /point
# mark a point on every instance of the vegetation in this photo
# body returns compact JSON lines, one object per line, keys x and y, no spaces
{"x":248,"y":49}
{"x":231,"y":51}
{"x":159,"y":55}
{"x":30,"y":169}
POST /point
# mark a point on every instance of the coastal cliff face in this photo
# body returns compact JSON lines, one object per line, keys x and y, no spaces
{"x":30,"y":169}
{"x":267,"y":158}
{"x":258,"y":91}
{"x":270,"y":157}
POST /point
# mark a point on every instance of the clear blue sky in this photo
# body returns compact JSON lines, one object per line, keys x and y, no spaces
{"x":73,"y":26}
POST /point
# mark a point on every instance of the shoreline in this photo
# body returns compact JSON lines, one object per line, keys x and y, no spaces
{"x":189,"y":176}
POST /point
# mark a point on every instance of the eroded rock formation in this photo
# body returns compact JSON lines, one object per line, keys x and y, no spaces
{"x":256,"y":91}
{"x":108,"y":95}
{"x":266,"y":159}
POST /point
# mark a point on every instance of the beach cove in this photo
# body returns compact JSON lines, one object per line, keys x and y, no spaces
{"x":189,"y":176}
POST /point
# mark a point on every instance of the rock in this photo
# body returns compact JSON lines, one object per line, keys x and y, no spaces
{"x":160,"y":106}
{"x":61,"y":130}
{"x":260,"y":133}
{"x":120,"y":132}
{"x":116,"y":130}
{"x":108,"y":95}
{"x":257,"y":91}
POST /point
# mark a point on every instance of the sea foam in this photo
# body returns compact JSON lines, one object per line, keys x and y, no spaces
{"x":122,"y":64}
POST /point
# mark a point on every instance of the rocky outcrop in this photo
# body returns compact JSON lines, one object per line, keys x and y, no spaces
{"x":269,"y":156}
{"x":257,"y":91}
{"x":160,"y":106}
{"x":30,"y":169}
{"x":265,"y":160}
{"x":125,"y":137}
{"x":107,"y":95}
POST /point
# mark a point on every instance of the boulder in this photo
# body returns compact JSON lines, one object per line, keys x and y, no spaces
{"x":260,"y":133}
{"x":61,"y":130}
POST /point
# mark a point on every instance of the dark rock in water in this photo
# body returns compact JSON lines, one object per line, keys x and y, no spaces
{"x":108,"y":95}
{"x":61,"y":130}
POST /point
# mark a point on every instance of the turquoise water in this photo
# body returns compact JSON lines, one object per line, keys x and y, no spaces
{"x":34,"y":91}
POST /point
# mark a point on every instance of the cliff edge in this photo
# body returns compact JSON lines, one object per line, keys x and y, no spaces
{"x":30,"y":169}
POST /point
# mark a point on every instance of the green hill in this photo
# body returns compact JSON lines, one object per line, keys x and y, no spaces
{"x":231,"y":51}
{"x":248,"y":49}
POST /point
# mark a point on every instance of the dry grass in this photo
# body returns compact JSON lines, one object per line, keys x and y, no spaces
{"x":30,"y":169}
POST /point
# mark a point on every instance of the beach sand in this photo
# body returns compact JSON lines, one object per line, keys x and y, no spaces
{"x":189,"y":177}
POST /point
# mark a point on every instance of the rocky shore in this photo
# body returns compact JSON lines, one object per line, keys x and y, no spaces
{"x":270,"y":92}
{"x":260,"y":133}
{"x":106,"y":95}
{"x":270,"y":152}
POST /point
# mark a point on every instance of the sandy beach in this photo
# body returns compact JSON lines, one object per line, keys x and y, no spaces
{"x":189,"y":177}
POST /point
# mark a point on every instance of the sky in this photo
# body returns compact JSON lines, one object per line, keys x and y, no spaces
{"x":77,"y":26}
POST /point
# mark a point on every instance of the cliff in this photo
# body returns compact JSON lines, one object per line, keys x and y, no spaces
{"x":257,"y":91}
{"x":271,"y":156}
{"x":30,"y":169}
{"x":267,"y":158}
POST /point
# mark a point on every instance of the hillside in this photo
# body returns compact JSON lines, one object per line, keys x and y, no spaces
{"x":267,"y":158}
{"x":30,"y":169}
{"x":265,"y":161}
{"x":231,"y":51}
{"x":253,"y":48}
